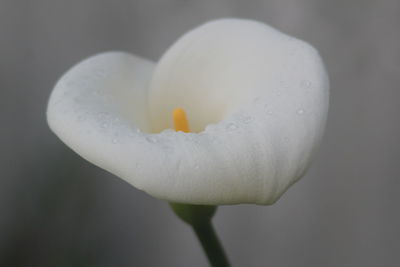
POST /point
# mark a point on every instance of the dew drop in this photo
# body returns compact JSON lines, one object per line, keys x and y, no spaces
{"x":257,"y":100}
{"x":134,"y":132}
{"x":231,"y":126}
{"x":283,"y":84}
{"x":211,"y":127}
{"x":305,"y":84}
{"x":168,"y":131}
{"x":247,"y":119}
{"x":151,"y":139}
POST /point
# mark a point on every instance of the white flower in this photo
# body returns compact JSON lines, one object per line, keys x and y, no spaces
{"x":257,"y":100}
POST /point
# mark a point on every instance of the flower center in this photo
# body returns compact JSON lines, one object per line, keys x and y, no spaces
{"x":180,"y":121}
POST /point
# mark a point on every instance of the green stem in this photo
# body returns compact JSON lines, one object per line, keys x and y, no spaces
{"x":211,"y":245}
{"x":199,"y":217}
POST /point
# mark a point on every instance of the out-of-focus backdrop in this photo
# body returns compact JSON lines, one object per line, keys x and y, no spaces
{"x":56,"y":209}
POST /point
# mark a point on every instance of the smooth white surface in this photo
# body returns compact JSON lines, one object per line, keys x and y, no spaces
{"x":257,"y":98}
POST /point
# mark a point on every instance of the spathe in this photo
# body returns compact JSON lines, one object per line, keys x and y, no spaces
{"x":257,"y":98}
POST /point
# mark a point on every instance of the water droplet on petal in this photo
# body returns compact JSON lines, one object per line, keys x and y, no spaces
{"x":283,"y":84}
{"x":168,"y":131}
{"x":247,"y":119}
{"x":210,"y":127}
{"x":305,"y":84}
{"x":231,"y":126}
{"x":151,"y":139}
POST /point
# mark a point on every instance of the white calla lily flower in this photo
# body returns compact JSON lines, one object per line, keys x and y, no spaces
{"x":256,"y":99}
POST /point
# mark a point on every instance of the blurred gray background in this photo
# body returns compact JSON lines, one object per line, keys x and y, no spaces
{"x":56,"y":209}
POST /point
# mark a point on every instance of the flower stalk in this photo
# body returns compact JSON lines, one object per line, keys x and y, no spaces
{"x":199,"y":218}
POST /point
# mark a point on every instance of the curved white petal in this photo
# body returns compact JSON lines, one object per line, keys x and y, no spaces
{"x":267,"y":92}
